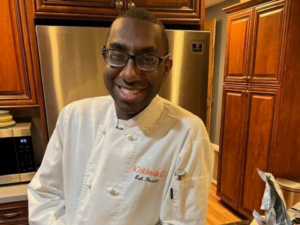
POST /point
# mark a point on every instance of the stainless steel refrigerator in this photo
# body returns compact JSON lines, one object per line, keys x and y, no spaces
{"x":71,"y":68}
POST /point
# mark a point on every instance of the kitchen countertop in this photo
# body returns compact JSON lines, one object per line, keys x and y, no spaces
{"x":13,"y":193}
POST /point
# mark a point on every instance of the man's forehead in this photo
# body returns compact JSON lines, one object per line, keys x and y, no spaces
{"x":127,"y":31}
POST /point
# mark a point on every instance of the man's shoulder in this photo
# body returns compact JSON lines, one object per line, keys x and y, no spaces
{"x":89,"y":105}
{"x":178,"y":113}
{"x":95,"y":101}
{"x":183,"y":118}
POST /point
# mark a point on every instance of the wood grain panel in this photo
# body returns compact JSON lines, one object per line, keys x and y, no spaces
{"x":10,"y":51}
{"x":168,"y":11}
{"x":210,"y":25}
{"x":268,"y":42}
{"x":231,"y":147}
{"x":16,"y":76}
{"x":167,"y":4}
{"x":260,"y":129}
{"x":286,"y":152}
{"x":238,"y":36}
{"x":77,"y":9}
{"x":272,"y":134}
{"x":20,"y":209}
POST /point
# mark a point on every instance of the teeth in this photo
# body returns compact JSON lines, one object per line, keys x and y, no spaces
{"x":127,"y":91}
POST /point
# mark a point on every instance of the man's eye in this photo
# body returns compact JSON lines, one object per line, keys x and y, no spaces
{"x":148,"y":59}
{"x":117,"y":56}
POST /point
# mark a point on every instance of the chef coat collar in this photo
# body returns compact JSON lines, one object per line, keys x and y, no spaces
{"x":143,"y":120}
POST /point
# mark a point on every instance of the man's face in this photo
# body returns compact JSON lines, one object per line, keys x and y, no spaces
{"x":132,"y":88}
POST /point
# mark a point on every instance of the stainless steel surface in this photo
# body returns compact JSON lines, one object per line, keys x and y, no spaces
{"x":187,"y":84}
{"x":71,"y":67}
{"x":9,"y":179}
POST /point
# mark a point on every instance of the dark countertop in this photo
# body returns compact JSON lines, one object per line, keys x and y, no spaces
{"x":244,"y":222}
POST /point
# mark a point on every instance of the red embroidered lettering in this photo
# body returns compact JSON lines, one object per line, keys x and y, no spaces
{"x":147,"y":171}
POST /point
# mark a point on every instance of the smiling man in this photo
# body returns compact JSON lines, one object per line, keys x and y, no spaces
{"x":131,"y":157}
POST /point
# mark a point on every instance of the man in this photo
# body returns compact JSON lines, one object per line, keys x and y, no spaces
{"x":129,"y":158}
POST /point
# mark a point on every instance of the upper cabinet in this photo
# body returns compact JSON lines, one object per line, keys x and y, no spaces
{"x":169,"y":11}
{"x":17,"y":85}
{"x":238,"y":45}
{"x":255,"y":40}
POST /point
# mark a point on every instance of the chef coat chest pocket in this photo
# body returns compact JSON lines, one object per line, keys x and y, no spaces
{"x":185,"y":192}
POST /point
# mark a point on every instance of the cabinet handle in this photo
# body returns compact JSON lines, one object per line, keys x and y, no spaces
{"x":11,"y":215}
{"x":131,"y":4}
{"x":119,"y":4}
{"x":244,"y":77}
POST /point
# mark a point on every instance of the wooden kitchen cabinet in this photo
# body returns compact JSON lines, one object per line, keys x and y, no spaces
{"x":269,"y":33}
{"x":17,"y":85}
{"x":261,"y":94}
{"x":14,"y":213}
{"x":248,"y":116}
{"x":233,"y":123}
{"x":255,"y":40}
{"x":168,"y":11}
{"x":238,"y":45}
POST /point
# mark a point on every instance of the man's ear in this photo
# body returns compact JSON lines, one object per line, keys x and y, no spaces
{"x":168,"y":67}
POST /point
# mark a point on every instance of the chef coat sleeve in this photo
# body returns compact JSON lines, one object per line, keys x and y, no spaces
{"x":45,"y":191}
{"x":186,"y":200}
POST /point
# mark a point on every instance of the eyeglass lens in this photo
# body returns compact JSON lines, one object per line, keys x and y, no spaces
{"x":143,"y":61}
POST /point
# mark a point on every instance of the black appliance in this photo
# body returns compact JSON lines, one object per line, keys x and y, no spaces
{"x":17,"y":163}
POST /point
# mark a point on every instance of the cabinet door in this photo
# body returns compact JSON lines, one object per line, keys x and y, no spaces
{"x":231,"y":144}
{"x":94,"y":9}
{"x":268,"y":43}
{"x":16,"y":73}
{"x":237,"y":47}
{"x":14,"y":213}
{"x":260,"y":126}
{"x":188,"y":11}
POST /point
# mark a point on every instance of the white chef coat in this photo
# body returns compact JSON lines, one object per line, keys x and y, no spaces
{"x":94,"y":173}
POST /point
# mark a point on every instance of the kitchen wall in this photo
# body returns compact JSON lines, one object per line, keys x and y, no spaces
{"x":216,"y":12}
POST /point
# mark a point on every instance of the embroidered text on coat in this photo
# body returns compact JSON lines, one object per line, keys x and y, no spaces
{"x":147,"y":171}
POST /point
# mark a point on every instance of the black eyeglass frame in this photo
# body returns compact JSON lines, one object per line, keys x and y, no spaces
{"x":130,"y":56}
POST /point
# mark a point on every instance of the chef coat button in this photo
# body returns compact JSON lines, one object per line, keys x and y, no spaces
{"x":131,"y":137}
{"x":112,"y":191}
{"x":89,"y":185}
{"x":103,"y":131}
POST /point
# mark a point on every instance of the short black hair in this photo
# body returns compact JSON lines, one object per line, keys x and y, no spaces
{"x":142,"y":14}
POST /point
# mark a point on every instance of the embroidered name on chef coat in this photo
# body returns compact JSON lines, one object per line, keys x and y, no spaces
{"x":148,"y":175}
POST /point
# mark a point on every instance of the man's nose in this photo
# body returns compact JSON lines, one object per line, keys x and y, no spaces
{"x":130,"y":72}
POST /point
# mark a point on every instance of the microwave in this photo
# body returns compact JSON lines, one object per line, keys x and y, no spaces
{"x":17,"y":163}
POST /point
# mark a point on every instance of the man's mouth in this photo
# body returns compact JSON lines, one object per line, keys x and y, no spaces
{"x":130,"y":91}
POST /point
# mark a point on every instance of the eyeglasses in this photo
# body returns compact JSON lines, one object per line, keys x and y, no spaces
{"x":146,"y":62}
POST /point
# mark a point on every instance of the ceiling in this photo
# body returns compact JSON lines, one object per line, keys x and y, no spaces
{"x":209,"y":3}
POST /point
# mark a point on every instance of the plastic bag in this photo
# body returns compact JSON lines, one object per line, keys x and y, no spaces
{"x":273,"y":203}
